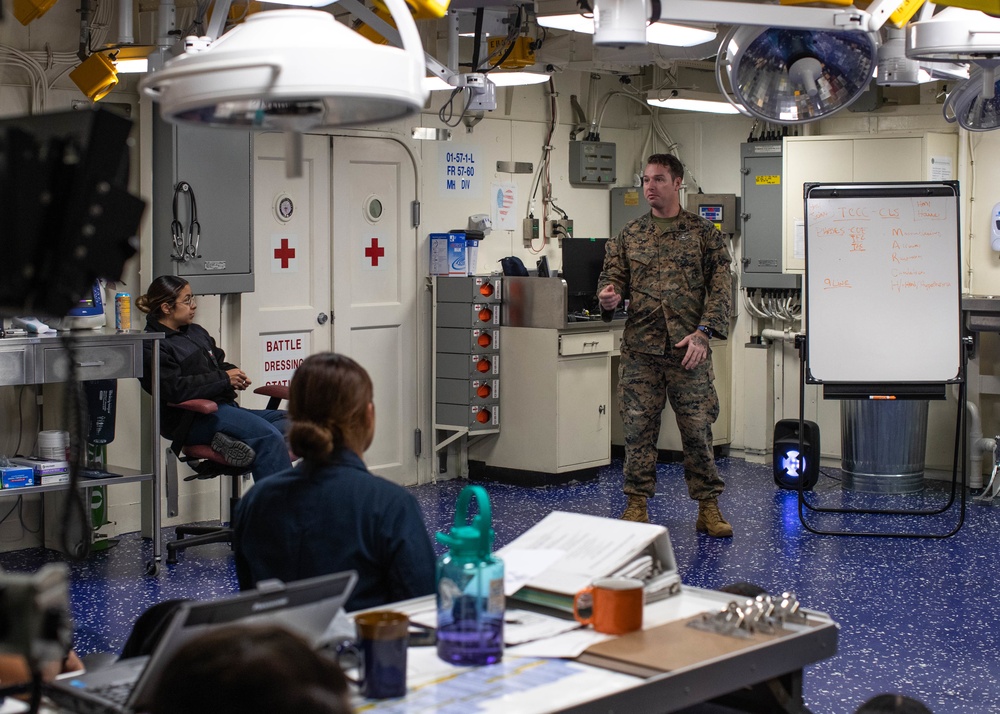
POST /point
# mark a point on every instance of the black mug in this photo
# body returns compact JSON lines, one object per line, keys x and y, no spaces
{"x":381,"y":653}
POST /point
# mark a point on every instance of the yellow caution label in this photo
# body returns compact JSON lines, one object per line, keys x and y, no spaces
{"x":771,"y":180}
{"x":631,"y":198}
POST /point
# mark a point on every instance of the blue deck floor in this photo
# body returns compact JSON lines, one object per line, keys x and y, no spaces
{"x":916,"y":615}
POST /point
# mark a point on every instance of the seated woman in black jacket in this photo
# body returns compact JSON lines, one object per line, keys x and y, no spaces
{"x":329,"y":513}
{"x":192,"y":366}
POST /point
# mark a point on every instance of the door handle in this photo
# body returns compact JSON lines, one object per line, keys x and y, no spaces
{"x":322,"y":318}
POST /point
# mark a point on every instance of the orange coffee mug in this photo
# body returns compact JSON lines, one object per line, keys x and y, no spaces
{"x":616,"y":605}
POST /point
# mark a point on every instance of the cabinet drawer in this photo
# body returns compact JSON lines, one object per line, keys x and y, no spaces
{"x":15,"y":367}
{"x":92,"y":362}
{"x":586,"y":343}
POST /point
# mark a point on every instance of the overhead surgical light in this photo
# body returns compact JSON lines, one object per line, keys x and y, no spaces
{"x":658,"y":33}
{"x":795,"y":76}
{"x":895,"y":69}
{"x":954,"y":35}
{"x":691,"y":101}
{"x":293,"y":70}
{"x":975,"y":104}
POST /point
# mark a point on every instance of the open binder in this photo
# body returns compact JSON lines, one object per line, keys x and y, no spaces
{"x":595,"y":547}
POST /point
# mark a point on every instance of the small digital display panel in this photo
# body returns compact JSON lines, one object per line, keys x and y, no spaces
{"x":711,"y":212}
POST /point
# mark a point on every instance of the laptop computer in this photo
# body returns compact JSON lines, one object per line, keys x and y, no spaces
{"x":307,"y":607}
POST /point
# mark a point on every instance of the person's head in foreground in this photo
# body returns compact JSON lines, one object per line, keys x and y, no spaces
{"x":248,"y":669}
{"x":892,"y":704}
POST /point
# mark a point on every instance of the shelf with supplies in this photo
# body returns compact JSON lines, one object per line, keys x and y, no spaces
{"x":99,"y":354}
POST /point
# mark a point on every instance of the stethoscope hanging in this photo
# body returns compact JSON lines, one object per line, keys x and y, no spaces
{"x":185,"y":243}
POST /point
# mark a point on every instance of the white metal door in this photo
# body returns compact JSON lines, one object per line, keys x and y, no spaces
{"x":287,"y":317}
{"x":375,"y":290}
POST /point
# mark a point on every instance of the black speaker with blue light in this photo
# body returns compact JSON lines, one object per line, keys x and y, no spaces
{"x":794,"y":465}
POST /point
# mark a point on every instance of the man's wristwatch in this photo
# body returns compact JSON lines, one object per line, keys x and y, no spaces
{"x":707,"y":331}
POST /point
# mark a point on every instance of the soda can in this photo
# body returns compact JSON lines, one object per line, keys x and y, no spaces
{"x":123,"y":312}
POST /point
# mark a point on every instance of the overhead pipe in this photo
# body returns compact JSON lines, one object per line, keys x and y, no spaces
{"x":83,"y":52}
{"x":125,"y":25}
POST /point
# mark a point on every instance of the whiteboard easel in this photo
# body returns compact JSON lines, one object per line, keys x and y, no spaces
{"x":883,"y":283}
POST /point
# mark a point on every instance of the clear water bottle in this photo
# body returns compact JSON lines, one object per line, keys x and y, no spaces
{"x":470,"y":599}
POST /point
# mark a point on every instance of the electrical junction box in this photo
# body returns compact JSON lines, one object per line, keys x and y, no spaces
{"x":761,"y":217}
{"x":592,"y":163}
{"x":719,"y":208}
{"x":627,"y":204}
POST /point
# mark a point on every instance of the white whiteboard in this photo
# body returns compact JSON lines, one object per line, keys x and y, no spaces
{"x":883,"y":283}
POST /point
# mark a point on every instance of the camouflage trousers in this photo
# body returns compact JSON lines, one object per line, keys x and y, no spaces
{"x":645,"y":383}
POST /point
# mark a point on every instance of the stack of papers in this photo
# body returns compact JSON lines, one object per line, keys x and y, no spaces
{"x":565,"y":552}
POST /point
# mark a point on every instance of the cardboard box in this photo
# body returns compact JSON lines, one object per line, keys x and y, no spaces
{"x":471,"y":256}
{"x":448,"y":254}
{"x":53,"y":479}
{"x":439,"y":253}
{"x":457,"y":259}
{"x":41,"y":467}
{"x":17,"y":476}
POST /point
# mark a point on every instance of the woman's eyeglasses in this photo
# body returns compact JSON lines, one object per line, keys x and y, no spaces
{"x":189,"y":300}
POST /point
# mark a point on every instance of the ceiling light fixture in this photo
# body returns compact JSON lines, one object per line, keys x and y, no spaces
{"x":975,"y":104}
{"x":131,"y":58}
{"x":658,"y":33}
{"x":954,"y":34}
{"x":294,"y":70}
{"x":95,"y":76}
{"x":895,"y":69}
{"x":28,"y":10}
{"x":691,"y":101}
{"x":957,"y":34}
{"x":795,"y":76}
{"x":499,"y":79}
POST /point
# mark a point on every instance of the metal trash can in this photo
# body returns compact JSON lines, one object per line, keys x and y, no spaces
{"x":883,"y":444}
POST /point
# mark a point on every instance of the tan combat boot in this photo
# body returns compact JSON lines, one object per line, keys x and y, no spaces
{"x":636,"y":510}
{"x":710,"y":520}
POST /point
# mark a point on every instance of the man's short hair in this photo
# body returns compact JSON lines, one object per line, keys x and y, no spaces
{"x":670,"y":162}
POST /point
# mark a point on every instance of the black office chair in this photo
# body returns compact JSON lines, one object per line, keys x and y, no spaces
{"x":206,"y":463}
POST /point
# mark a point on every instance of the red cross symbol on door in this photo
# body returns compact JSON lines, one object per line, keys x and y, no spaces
{"x":284,"y":253}
{"x":374,"y":252}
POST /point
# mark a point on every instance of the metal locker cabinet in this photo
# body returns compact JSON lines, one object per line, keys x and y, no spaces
{"x":216,"y":163}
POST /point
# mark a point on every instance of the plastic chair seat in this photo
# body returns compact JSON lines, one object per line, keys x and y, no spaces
{"x":206,"y":464}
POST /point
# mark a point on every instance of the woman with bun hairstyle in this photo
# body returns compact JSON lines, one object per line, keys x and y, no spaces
{"x":329,"y":513}
{"x":192,"y":366}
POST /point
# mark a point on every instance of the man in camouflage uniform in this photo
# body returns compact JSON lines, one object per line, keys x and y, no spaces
{"x":675,"y":266}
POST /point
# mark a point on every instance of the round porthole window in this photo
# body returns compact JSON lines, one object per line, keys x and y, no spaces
{"x":373,"y":209}
{"x":283,"y":207}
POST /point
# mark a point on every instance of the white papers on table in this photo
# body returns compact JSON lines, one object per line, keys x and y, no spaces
{"x":520,"y":626}
{"x":523,"y":564}
{"x":567,"y":645}
{"x":594,"y":547}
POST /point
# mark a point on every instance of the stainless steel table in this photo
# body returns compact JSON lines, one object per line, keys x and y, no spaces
{"x":97,"y":354}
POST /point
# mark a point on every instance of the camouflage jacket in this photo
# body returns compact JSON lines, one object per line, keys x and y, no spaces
{"x":676,"y":280}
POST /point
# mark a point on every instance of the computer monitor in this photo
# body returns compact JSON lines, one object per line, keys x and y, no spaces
{"x":582,"y":262}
